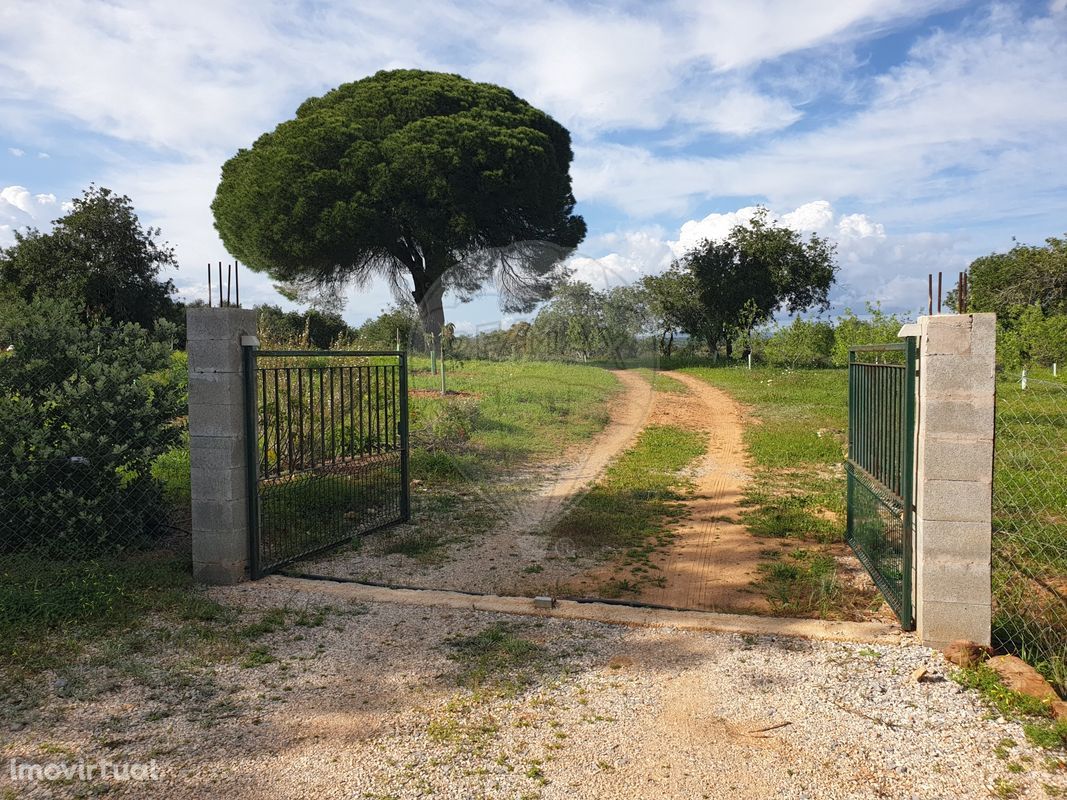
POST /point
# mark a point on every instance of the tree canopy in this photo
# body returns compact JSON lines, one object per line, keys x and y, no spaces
{"x":1026,"y":275}
{"x":405,"y":174}
{"x":757,"y":269}
{"x":98,"y":258}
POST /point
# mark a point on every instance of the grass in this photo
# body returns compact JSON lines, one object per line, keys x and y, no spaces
{"x":1040,"y":728}
{"x":501,"y":414}
{"x":805,"y":584}
{"x":498,"y":660}
{"x":628,"y":508}
{"x":662,"y":382}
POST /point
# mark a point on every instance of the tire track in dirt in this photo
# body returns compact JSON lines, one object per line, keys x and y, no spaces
{"x":713,"y":559}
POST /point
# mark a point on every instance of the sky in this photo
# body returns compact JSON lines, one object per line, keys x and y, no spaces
{"x":917,"y":135}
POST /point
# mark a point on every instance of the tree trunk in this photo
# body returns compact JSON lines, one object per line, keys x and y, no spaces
{"x":430,"y":301}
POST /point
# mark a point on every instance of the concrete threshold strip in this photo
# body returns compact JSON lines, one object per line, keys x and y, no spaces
{"x":615,"y":614}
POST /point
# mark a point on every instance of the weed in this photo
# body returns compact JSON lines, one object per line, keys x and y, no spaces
{"x":496,"y":660}
{"x":257,"y":657}
{"x":1005,"y":789}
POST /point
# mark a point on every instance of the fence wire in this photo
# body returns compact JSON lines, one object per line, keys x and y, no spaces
{"x":1030,"y":524}
{"x":94,"y":466}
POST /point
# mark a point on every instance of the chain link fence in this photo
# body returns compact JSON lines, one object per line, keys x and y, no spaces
{"x":94,"y":478}
{"x":1030,"y":523}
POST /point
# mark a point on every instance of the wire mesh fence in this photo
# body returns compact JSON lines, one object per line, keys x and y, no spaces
{"x":1030,"y":523}
{"x":93,"y":458}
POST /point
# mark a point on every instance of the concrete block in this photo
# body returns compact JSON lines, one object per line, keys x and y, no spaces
{"x":214,"y":355}
{"x":943,"y":622}
{"x":220,"y":549}
{"x":960,"y":416}
{"x":219,"y":323}
{"x":952,"y":581}
{"x":216,"y":573}
{"x":219,"y":516}
{"x":215,"y":388}
{"x":968,"y":543}
{"x":216,"y":452}
{"x":216,"y":546}
{"x":220,"y":421}
{"x":219,"y":484}
{"x":957,"y":375}
{"x":957,"y":501}
{"x":956,"y":459}
{"x":949,"y":334}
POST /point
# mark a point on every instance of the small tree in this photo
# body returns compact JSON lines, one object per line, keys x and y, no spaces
{"x":758,"y":269}
{"x":408,"y":175}
{"x":673,"y":301}
{"x":98,"y":258}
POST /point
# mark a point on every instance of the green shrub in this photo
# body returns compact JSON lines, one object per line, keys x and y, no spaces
{"x":801,"y":344}
{"x":85,"y":411}
{"x":878,"y":328}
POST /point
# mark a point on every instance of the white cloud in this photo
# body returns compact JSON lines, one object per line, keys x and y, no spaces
{"x":16,"y":152}
{"x":967,"y":126}
{"x":19,"y":208}
{"x":43,"y":155}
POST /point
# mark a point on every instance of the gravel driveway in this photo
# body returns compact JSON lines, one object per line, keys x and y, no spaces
{"x":392,"y":701}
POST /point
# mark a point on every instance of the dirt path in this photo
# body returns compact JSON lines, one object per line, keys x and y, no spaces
{"x":500,"y":561}
{"x":713,"y":559}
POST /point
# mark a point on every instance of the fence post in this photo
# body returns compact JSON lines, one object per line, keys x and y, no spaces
{"x":217,"y":447}
{"x":957,"y":386}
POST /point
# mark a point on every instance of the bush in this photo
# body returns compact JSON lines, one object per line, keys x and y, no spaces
{"x":879,"y":328}
{"x":84,"y":413}
{"x":802,"y":344}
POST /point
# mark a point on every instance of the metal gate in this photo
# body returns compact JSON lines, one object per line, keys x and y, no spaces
{"x":327,"y":439}
{"x":881,"y":468}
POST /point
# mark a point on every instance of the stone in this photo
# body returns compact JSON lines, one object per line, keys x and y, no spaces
{"x":1059,"y":710}
{"x":1020,"y":677}
{"x":966,"y":653}
{"x":919,"y":675}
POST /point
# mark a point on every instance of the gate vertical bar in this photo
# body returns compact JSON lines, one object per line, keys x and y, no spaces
{"x":248,"y":354}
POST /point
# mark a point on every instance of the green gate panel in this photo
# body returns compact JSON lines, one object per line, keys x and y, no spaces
{"x":327,"y":439}
{"x":880,"y":468}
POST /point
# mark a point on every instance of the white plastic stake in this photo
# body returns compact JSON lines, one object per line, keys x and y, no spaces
{"x":1054,"y":373}
{"x":1024,"y":380}
{"x":750,"y":359}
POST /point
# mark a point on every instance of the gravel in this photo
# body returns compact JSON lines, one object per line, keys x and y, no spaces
{"x":368,"y":705}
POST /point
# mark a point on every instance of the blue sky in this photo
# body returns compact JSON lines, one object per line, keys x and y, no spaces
{"x":917,"y":134}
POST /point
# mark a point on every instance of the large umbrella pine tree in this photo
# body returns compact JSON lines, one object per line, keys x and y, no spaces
{"x":427,"y":179}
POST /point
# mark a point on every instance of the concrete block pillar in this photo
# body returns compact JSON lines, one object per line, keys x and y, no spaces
{"x":954,"y":486}
{"x":217,"y":442}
